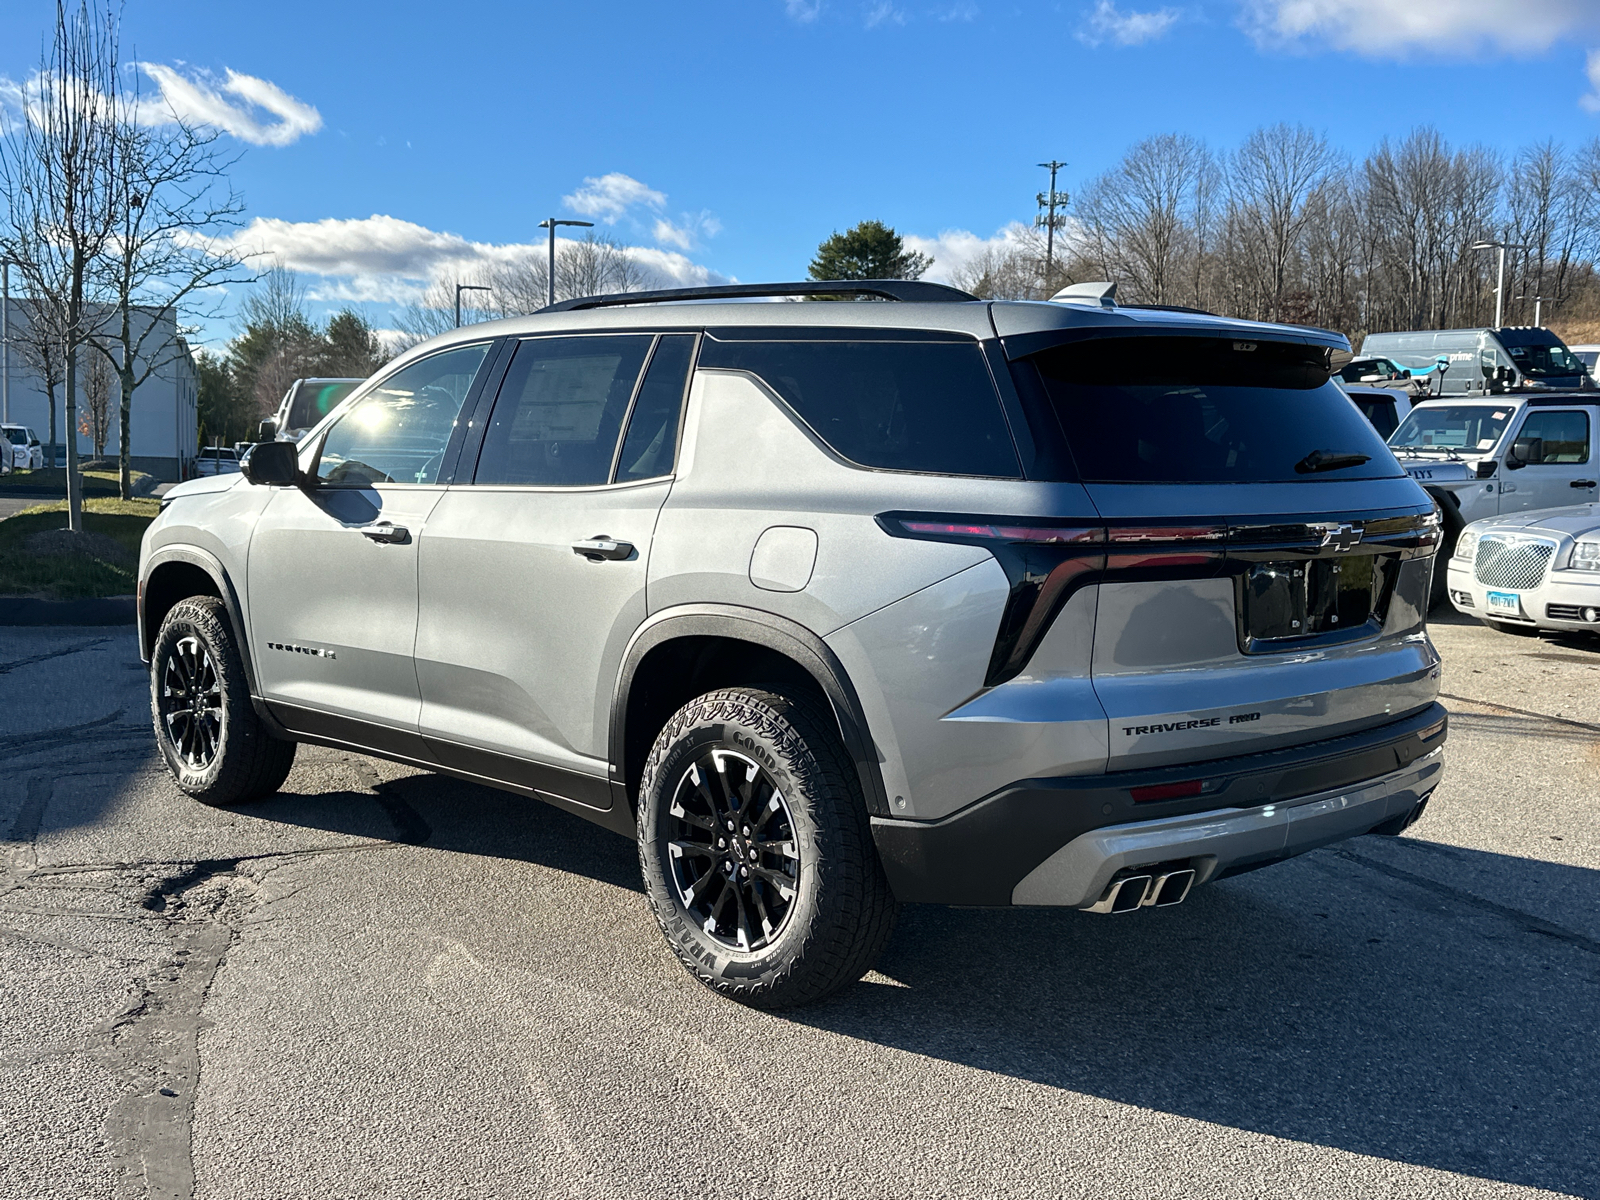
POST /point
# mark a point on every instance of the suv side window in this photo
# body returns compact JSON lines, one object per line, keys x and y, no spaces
{"x":925,"y":406}
{"x":652,"y":439}
{"x":1564,"y":435}
{"x":398,"y":431}
{"x":561,"y":409}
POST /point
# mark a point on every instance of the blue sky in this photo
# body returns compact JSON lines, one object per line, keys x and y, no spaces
{"x":729,"y":136}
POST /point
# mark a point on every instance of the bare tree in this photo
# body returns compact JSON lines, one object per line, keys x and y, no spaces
{"x":169,"y":195}
{"x":1139,"y":219}
{"x":595,"y":265}
{"x":41,"y":344}
{"x":57,"y":171}
{"x":1273,"y":180}
{"x":95,"y":419}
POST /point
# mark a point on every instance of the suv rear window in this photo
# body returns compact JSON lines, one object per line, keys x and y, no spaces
{"x":921,"y":406}
{"x":1203,"y":410}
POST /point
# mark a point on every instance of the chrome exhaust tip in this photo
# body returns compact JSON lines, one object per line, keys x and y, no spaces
{"x":1124,"y":895}
{"x":1170,"y":889}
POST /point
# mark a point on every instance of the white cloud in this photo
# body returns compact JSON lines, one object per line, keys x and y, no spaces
{"x":1591,"y":102}
{"x":264,"y":115}
{"x":611,"y":196}
{"x":1108,"y":23}
{"x":955,"y":248}
{"x":882,"y":13}
{"x":1395,"y":28}
{"x":260,"y":112}
{"x":689,"y":232}
{"x":803,"y":11}
{"x":384,"y":259}
{"x":962,"y":10}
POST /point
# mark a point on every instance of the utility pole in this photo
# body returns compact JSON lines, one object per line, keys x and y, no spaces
{"x":550,"y":223}
{"x":1050,"y":201}
{"x":467,"y":287}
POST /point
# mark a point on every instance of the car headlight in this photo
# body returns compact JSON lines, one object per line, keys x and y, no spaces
{"x":1466,"y":544}
{"x":1586,"y":556}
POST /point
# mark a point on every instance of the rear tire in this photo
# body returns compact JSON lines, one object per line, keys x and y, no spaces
{"x":218,"y":750}
{"x":756,"y":850}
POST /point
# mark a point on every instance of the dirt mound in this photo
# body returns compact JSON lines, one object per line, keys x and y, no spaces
{"x":87,"y":544}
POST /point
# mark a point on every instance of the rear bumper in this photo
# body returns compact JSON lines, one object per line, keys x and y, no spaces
{"x":1223,"y":840}
{"x":1063,"y":841}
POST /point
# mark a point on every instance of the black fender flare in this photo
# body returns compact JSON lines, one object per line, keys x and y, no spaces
{"x":792,"y":640}
{"x":212,"y":566}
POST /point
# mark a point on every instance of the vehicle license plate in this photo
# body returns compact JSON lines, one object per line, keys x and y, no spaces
{"x":1507,"y":601}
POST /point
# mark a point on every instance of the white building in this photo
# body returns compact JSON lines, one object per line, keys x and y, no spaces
{"x":163,"y":419}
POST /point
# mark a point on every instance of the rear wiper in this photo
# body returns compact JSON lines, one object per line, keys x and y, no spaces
{"x":1330,"y":460}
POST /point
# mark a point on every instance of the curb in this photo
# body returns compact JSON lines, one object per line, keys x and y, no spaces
{"x":25,"y":610}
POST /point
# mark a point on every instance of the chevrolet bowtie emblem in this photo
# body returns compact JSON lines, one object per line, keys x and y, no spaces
{"x":1341,"y":537}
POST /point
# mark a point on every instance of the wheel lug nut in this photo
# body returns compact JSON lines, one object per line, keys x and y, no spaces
{"x":747,"y":831}
{"x":752,"y":856}
{"x":744,"y":871}
{"x":722,"y":843}
{"x":730,"y":826}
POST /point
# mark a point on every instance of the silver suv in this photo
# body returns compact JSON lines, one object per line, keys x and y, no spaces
{"x":832,"y":605}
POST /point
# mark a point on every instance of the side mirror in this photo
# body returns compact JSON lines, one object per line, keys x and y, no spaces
{"x":272,"y":463}
{"x":1524,"y":451}
{"x":269,"y":430}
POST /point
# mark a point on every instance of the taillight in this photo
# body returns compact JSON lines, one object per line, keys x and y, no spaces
{"x":954,"y":529}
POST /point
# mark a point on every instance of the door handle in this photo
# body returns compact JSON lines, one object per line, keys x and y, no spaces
{"x":1582,"y":483}
{"x":599,"y":549}
{"x":386,"y":531}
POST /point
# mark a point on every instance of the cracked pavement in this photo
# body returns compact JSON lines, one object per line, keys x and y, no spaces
{"x":383,"y":982}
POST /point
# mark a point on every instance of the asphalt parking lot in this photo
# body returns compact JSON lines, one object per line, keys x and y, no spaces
{"x":386,"y":983}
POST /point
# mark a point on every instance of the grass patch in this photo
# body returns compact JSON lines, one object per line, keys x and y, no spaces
{"x":54,"y":482}
{"x":108,"y":566}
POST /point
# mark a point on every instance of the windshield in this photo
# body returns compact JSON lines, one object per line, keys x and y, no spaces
{"x":1474,"y":428}
{"x":1207,"y":410}
{"x":1544,"y":362}
{"x":313,"y":401}
{"x":18,"y":437}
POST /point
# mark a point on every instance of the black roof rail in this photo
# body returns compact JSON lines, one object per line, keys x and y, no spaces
{"x":1199,"y":312}
{"x":908,"y":290}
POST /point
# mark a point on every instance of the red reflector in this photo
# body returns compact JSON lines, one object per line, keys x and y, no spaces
{"x":1168,"y":791}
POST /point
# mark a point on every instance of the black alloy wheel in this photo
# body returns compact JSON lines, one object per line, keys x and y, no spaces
{"x":735,"y":856}
{"x":756,"y":850}
{"x":189,"y":703}
{"x":216,"y":745}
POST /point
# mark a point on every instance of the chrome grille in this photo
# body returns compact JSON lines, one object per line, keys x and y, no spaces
{"x":1507,"y":562}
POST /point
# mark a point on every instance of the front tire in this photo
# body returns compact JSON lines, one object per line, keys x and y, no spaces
{"x":756,"y":851}
{"x":218,"y":750}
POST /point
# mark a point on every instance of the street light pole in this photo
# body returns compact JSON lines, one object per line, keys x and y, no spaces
{"x":5,"y":340}
{"x":550,"y":223}
{"x":467,"y":287}
{"x":1500,"y":285}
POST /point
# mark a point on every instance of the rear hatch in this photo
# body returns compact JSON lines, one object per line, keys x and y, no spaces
{"x":1266,"y":558}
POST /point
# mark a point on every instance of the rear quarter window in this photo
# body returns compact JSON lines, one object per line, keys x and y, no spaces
{"x":1203,"y":410}
{"x":924,"y":406}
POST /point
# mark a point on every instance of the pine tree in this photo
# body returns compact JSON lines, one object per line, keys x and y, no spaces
{"x":871,"y":250}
